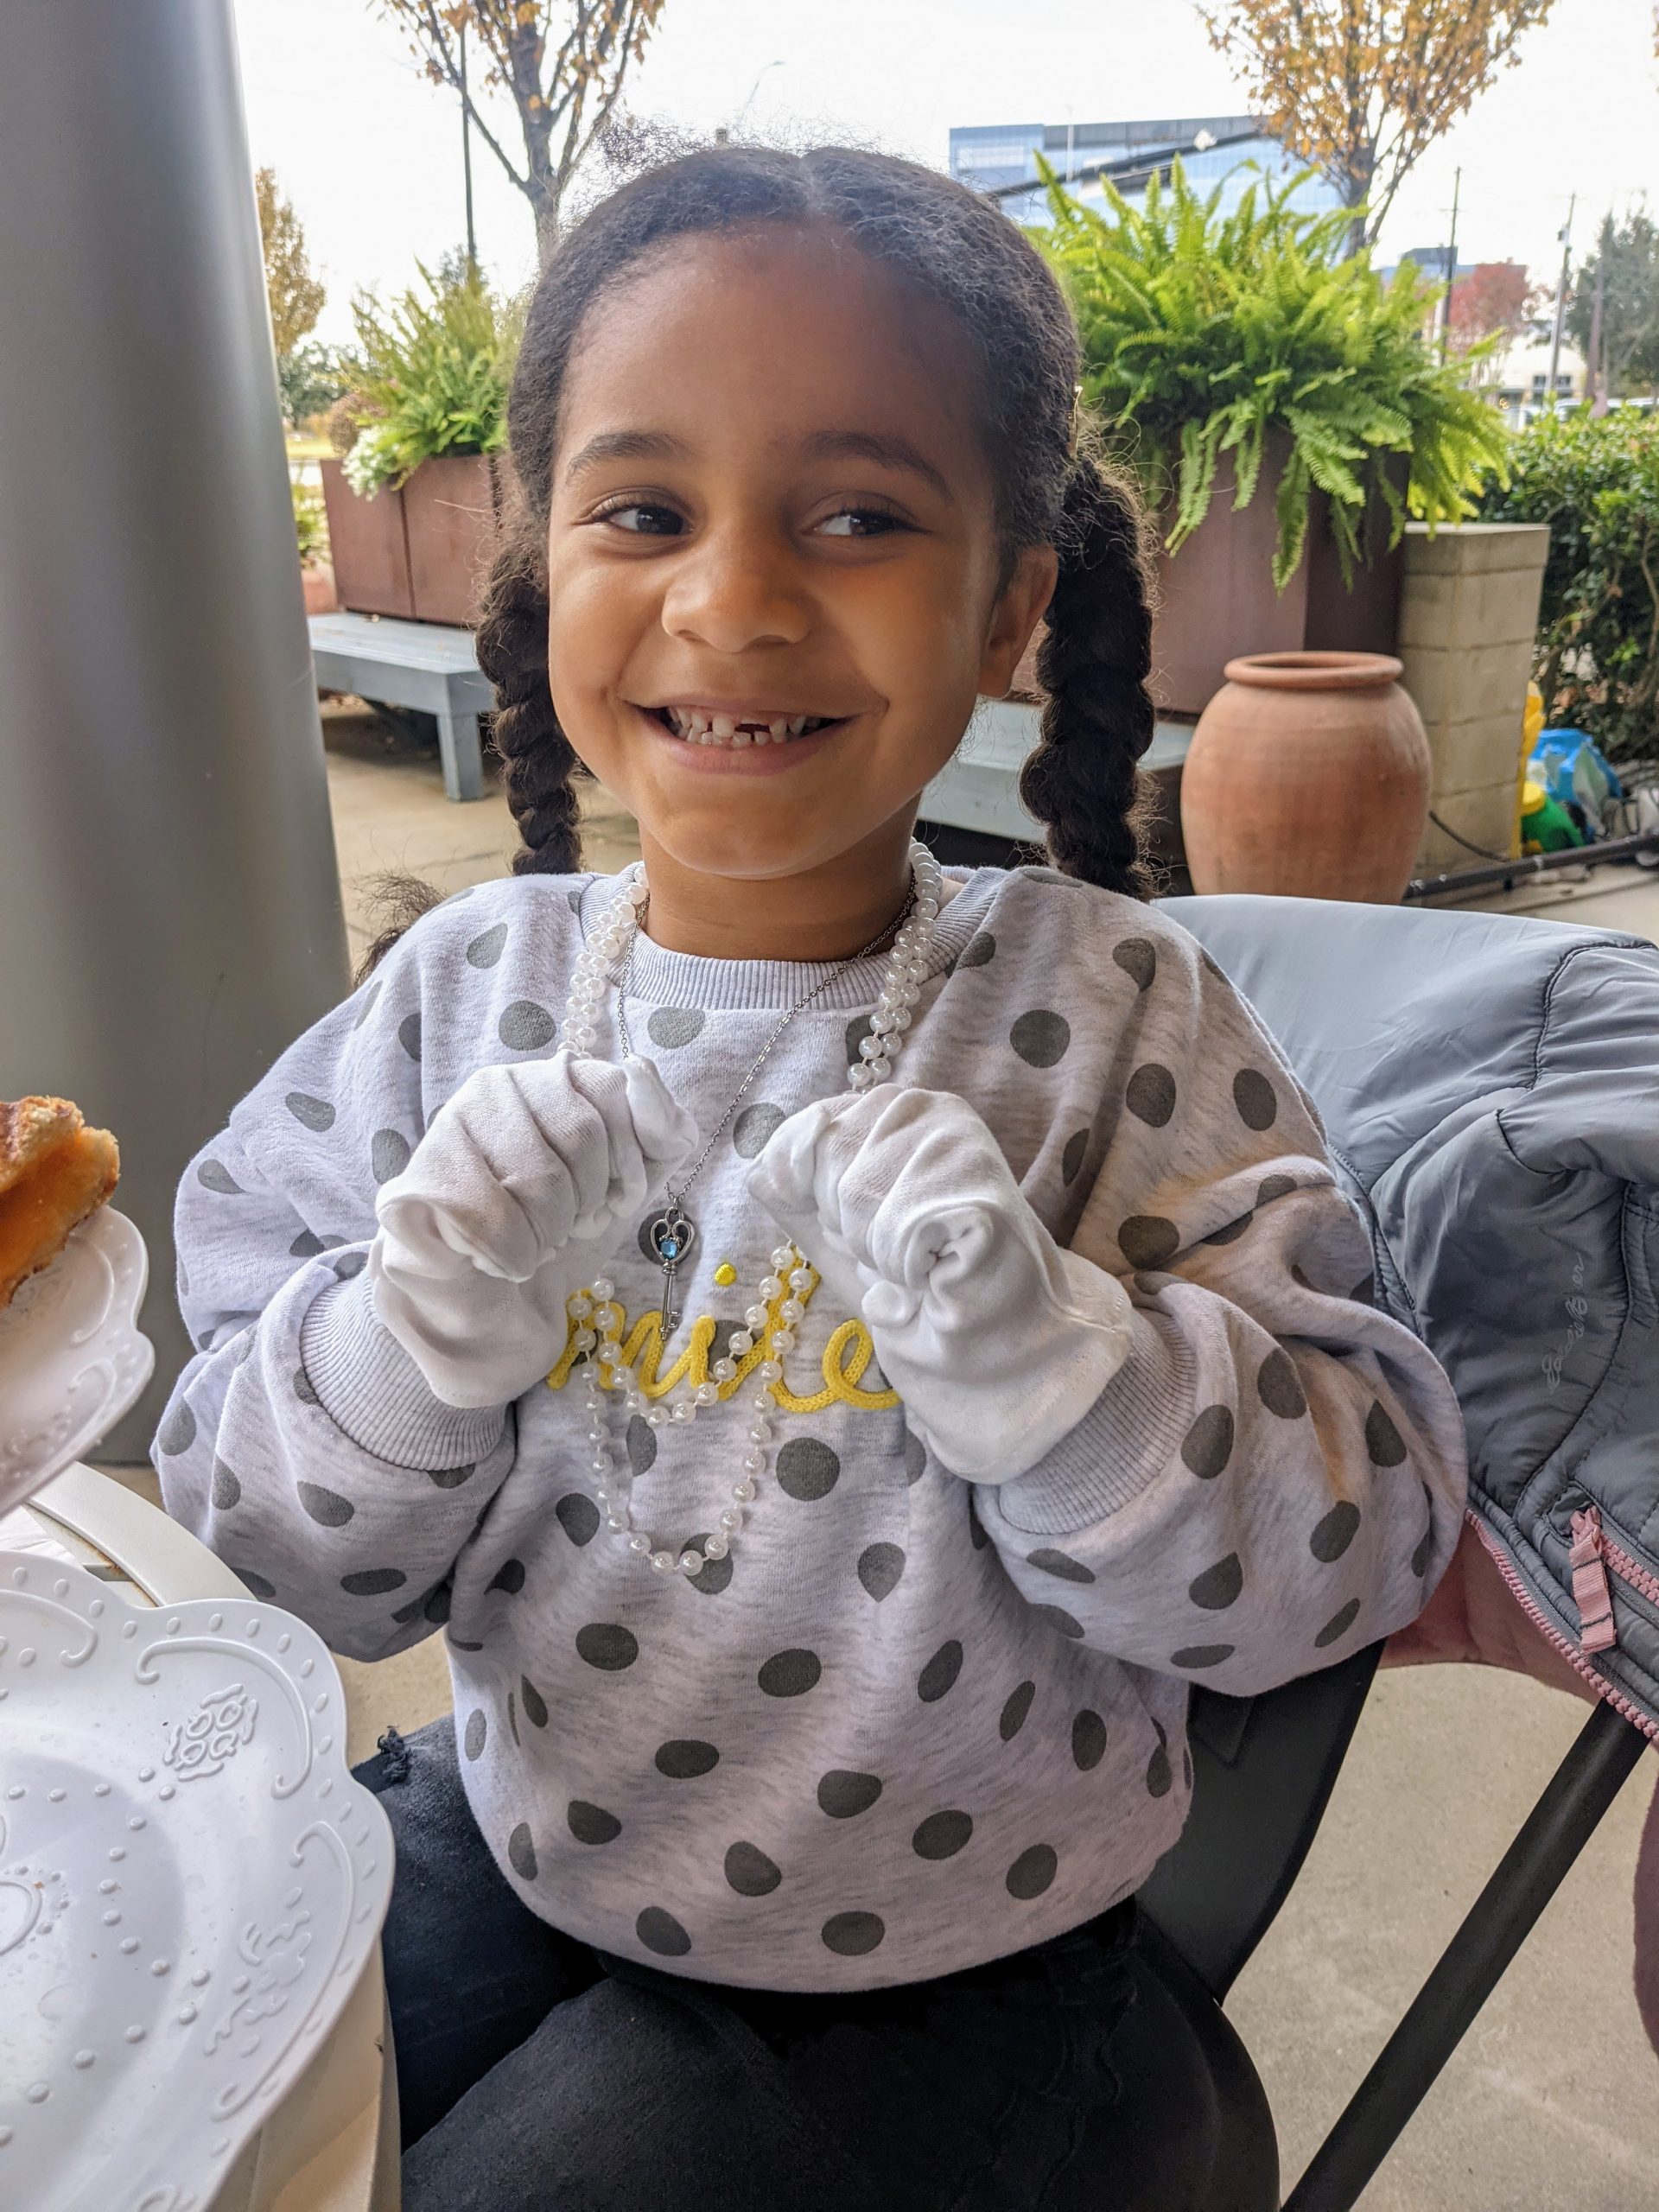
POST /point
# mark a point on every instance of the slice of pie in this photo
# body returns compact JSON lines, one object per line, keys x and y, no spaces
{"x":54,"y":1173}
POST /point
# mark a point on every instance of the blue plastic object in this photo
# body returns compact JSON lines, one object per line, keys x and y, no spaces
{"x":1574,"y":771}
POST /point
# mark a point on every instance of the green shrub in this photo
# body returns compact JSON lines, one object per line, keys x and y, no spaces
{"x":430,"y":376}
{"x":1596,"y":483}
{"x":1203,"y":334}
{"x":310,"y":525}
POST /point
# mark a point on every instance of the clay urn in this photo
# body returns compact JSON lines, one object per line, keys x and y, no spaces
{"x":1308,"y":777}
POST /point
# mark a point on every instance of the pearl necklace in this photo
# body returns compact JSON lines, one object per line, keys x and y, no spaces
{"x":777,"y":1306}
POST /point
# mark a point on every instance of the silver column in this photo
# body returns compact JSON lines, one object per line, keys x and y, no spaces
{"x":169,"y":910}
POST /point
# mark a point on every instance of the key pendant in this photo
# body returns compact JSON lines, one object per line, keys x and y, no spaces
{"x":672,"y":1234}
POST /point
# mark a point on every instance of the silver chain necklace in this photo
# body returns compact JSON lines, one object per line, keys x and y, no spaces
{"x":673,"y":1232}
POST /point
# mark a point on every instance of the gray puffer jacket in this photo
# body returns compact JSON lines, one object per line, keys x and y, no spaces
{"x":1490,"y":1087}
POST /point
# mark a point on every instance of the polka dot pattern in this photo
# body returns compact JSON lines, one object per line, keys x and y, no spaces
{"x":1419,"y":1558}
{"x":1151,"y":1095}
{"x":807,"y":1470}
{"x":1331,"y":1538}
{"x":1208,"y":1445}
{"x":1147,"y":1239}
{"x":591,"y":1823}
{"x":372,"y":1581}
{"x":915,"y":1457}
{"x":389,"y":1151}
{"x":843,"y":1793}
{"x":641,"y":1439}
{"x":178,"y":1431}
{"x":1383,"y":1441}
{"x":1138,"y":957}
{"x":756,"y":1126}
{"x":712,"y":1577}
{"x":940,"y":1673}
{"x":521,"y":1853}
{"x":1274,"y":1186}
{"x":578,"y":1516}
{"x":606,"y":1645}
{"x":1160,"y":1778}
{"x":1060,"y":1563}
{"x":660,"y":1932}
{"x":1015,"y":1709}
{"x":1041,"y":1038}
{"x":1279,"y":1387}
{"x":450,"y":1477}
{"x":367,"y":1007}
{"x":1056,"y":1616}
{"x":685,"y":1758}
{"x":408,"y":1034}
{"x":1071,"y":1160}
{"x":941,"y":1835}
{"x":1337,"y":1626}
{"x":349,"y":1264}
{"x":535,"y":1703}
{"x":880,"y":1567}
{"x":477,"y":1728}
{"x":304,"y":1388}
{"x":509,"y":1576}
{"x":750,"y":1872}
{"x":671,"y":1026}
{"x":1256,"y":1099}
{"x":525,"y":1026}
{"x":315,"y":1113}
{"x":227,"y":1490}
{"x":256,"y":1584}
{"x":853,"y":1933}
{"x":326,"y":1506}
{"x":789,"y":1674}
{"x":1033,"y":1872}
{"x":979,"y":951}
{"x":1088,"y":1740}
{"x":484,"y":952}
{"x":1219,"y":1585}
{"x":213,"y":1175}
{"x":305,"y":1246}
{"x":1197,"y":1655}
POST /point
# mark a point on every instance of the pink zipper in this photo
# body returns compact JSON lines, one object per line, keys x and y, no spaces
{"x":1630,"y":1570}
{"x":1590,"y":1592}
{"x":1603,"y":1688}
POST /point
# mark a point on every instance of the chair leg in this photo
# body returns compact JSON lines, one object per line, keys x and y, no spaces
{"x":462,"y":756}
{"x":1533,"y":1868}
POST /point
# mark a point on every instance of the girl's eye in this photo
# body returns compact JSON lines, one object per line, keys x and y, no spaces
{"x":860,"y":522}
{"x":643,"y":519}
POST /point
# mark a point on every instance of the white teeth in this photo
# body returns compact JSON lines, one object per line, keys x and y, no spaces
{"x":796,"y":724}
{"x":723,"y":726}
{"x":782,"y":729}
{"x":737,"y":737}
{"x":699,"y":725}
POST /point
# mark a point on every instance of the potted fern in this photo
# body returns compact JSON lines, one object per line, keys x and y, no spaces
{"x":1281,"y":408}
{"x":415,"y":498}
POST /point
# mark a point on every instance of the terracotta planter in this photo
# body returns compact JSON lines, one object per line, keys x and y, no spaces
{"x":420,"y":552}
{"x":1308,"y":777}
{"x":317,"y":578}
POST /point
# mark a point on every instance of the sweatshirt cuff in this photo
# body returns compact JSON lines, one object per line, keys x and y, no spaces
{"x":376,"y":1397}
{"x":1130,"y":1434}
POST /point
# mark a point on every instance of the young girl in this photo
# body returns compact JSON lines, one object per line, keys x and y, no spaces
{"x":837,"y":1348}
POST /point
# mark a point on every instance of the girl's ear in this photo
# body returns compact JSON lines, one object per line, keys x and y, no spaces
{"x":1021,"y":606}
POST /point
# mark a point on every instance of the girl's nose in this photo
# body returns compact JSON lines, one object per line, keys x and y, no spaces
{"x":730,"y":593}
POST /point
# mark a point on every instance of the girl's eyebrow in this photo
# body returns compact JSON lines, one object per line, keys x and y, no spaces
{"x":628,"y":445}
{"x":884,"y":448}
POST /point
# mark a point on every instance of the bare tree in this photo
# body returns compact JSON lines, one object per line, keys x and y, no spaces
{"x":1362,"y":88}
{"x":562,"y":62}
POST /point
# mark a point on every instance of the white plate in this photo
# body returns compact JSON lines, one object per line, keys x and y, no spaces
{"x":72,"y":1360}
{"x":191,"y":1883}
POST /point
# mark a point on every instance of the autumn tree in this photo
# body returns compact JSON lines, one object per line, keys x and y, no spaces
{"x":1493,"y":299}
{"x":1626,"y":260}
{"x":1362,"y":88}
{"x":296,"y":297}
{"x":564,"y":63}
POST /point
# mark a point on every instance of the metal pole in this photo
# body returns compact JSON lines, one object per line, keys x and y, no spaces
{"x":1595,"y":388}
{"x":466,"y":148}
{"x":1450,"y":263}
{"x":1533,"y":1869}
{"x":1560,"y":299}
{"x":169,"y":907}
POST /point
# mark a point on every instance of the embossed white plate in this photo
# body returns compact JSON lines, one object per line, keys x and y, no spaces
{"x":191,"y":1883}
{"x":72,"y":1359}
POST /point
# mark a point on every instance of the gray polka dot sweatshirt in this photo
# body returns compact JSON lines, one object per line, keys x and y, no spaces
{"x":909,"y":1723}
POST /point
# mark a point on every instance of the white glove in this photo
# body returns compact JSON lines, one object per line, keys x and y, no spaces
{"x":527,"y":1179}
{"x":996,"y":1338}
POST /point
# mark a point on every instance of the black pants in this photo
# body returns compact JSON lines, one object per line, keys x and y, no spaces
{"x":538,"y":2074}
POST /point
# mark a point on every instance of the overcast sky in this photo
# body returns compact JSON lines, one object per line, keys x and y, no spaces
{"x":370,"y":154}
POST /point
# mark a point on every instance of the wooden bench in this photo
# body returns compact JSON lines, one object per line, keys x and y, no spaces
{"x":425,"y":665}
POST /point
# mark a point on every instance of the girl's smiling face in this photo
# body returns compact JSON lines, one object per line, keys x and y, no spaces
{"x":775,"y":578}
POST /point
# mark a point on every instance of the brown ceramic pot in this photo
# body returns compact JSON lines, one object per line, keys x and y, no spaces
{"x":1308,"y":776}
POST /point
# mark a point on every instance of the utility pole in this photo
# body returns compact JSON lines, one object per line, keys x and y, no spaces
{"x":466,"y":148}
{"x":1451,"y":263}
{"x":1595,"y":383}
{"x":1560,"y":299}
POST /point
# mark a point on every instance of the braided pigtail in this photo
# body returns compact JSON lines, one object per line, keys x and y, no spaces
{"x":1082,"y":783}
{"x":539,"y":763}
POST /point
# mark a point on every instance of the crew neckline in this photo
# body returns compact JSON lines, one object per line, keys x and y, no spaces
{"x":693,"y":978}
